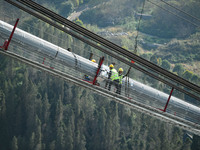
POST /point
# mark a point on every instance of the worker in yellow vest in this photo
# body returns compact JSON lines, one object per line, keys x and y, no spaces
{"x":112,"y":75}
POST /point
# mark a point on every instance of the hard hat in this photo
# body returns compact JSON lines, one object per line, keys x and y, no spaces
{"x":93,"y":60}
{"x":120,"y":69}
{"x":111,"y":66}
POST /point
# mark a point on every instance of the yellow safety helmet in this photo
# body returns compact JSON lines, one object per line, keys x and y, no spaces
{"x":111,"y":66}
{"x":93,"y":60}
{"x":120,"y":69}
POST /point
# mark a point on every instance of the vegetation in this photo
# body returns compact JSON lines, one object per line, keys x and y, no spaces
{"x":167,"y":25}
{"x":41,"y":112}
{"x":114,"y":12}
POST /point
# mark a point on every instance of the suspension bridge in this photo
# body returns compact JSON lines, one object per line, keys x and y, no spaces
{"x":59,"y":62}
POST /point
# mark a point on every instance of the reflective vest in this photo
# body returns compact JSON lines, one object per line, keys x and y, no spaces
{"x":120,"y":77}
{"x":114,"y":74}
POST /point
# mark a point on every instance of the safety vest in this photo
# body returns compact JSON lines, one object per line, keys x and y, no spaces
{"x":120,"y":77}
{"x":114,"y":74}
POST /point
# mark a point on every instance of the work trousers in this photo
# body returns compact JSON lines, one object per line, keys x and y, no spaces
{"x":119,"y":89}
{"x":118,"y":86}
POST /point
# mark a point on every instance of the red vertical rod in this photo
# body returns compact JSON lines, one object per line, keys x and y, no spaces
{"x":4,"y":44}
{"x":168,"y":99}
{"x":43,"y":60}
{"x":100,"y":64}
{"x":11,"y":35}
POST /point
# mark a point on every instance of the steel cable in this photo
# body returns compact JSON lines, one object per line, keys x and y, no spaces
{"x":173,"y":13}
{"x":138,"y":28}
{"x":180,"y":10}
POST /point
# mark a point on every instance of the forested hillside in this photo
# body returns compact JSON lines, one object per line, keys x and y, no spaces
{"x":42,"y":112}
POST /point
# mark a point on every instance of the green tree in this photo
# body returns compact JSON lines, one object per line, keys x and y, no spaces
{"x":188,"y":75}
{"x":187,"y":144}
{"x":14,"y":144}
{"x":38,"y":134}
{"x":32,"y":141}
{"x":45,"y":109}
{"x":195,"y":143}
{"x":66,"y":8}
{"x":179,"y":69}
{"x":112,"y":126}
{"x":79,"y":136}
{"x":69,"y":136}
{"x":163,"y":138}
{"x":195,"y":79}
{"x":123,"y":142}
{"x":60,"y":141}
{"x":2,"y":104}
{"x":176,"y":139}
{"x":166,"y":65}
{"x":79,"y":22}
{"x":59,"y":113}
{"x":52,"y":145}
{"x":164,"y":24}
{"x":154,"y":59}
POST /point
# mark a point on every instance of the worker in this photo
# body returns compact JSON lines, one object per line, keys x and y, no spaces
{"x":87,"y":78}
{"x":120,"y":77}
{"x":93,"y":60}
{"x":69,"y":49}
{"x":112,"y":76}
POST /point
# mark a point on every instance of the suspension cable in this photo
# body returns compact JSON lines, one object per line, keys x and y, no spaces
{"x":180,"y":10}
{"x":136,"y":43}
{"x":138,"y":28}
{"x":173,"y":13}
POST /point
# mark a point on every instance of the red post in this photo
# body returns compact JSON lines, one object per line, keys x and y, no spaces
{"x":99,"y":67}
{"x":43,"y":60}
{"x":168,"y":99}
{"x":4,"y":44}
{"x":132,"y":61}
{"x":11,"y":35}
